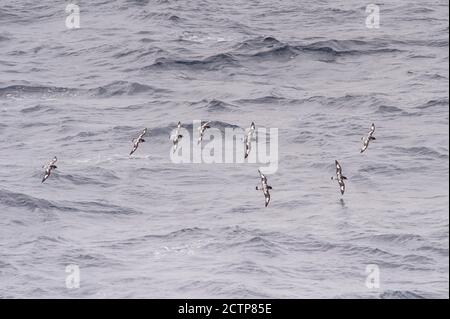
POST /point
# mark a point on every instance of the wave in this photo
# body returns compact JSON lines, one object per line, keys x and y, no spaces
{"x":381,"y":168}
{"x":349,"y":47}
{"x":214,"y":105}
{"x":189,"y":232}
{"x":387,"y":109}
{"x":32,"y":90}
{"x":400,"y":294}
{"x":12,"y":199}
{"x":164,"y":16}
{"x":440,"y":251}
{"x":80,"y":180}
{"x":394,"y":238}
{"x":81,"y":135}
{"x":19,"y":200}
{"x":328,"y":50}
{"x":257,"y":43}
{"x":268,"y":243}
{"x":421,"y":151}
{"x":140,"y":3}
{"x":190,"y":37}
{"x":3,"y":38}
{"x":256,"y":244}
{"x":27,"y":14}
{"x":417,"y":261}
{"x":97,"y":207}
{"x":47,"y":239}
{"x":348,"y":100}
{"x":269,"y":48}
{"x":367,"y":251}
{"x":185,"y":234}
{"x":248,"y":266}
{"x":433,"y":103}
{"x":118,"y":88}
{"x":270,"y":100}
{"x":212,"y":63}
{"x":37,"y":108}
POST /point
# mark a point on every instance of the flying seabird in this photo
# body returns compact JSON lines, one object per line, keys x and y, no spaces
{"x":176,"y":137}
{"x":138,"y":140}
{"x":339,"y":177}
{"x":368,"y":138}
{"x":48,"y":168}
{"x":202,"y":130}
{"x":264,"y":188}
{"x":248,"y":139}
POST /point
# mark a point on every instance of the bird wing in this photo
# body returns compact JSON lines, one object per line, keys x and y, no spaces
{"x":45,"y":177}
{"x":365,"y":144}
{"x":338,"y":168}
{"x":247,"y":148}
{"x":263,"y":177}
{"x":142,"y":134}
{"x":267,"y":198}
{"x":49,"y":164}
{"x":342,"y":187}
{"x":135,"y":146}
{"x":372,"y":129}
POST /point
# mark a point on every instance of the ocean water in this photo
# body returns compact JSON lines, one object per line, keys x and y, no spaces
{"x":145,"y":227}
